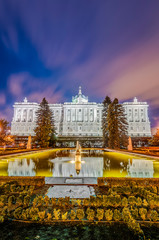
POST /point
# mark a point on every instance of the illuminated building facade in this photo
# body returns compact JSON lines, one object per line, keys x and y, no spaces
{"x":79,"y":119}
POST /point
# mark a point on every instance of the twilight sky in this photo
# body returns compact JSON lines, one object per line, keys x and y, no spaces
{"x":50,"y":47}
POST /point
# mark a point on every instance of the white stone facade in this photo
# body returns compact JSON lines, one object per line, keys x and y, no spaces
{"x":137,"y":117}
{"x":79,"y":118}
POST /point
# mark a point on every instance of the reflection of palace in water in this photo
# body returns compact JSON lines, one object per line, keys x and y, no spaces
{"x":140,"y":168}
{"x":89,"y":167}
{"x":21,"y":168}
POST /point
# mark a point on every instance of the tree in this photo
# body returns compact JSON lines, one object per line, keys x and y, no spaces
{"x":155,"y":139}
{"x":4,"y":136}
{"x":106,"y":103}
{"x":116,"y":125}
{"x":45,"y":130}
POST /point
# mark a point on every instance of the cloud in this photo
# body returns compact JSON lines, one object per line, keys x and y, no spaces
{"x":51,"y":46}
{"x":136,"y":74}
{"x":24,"y":85}
{"x":49,"y":93}
{"x":15,"y":84}
{"x":7,"y":113}
{"x":2,"y":99}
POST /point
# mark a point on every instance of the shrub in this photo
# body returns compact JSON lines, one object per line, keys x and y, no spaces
{"x":11,"y":200}
{"x":117,"y":215}
{"x":49,"y":216}
{"x":4,"y":212}
{"x":53,"y":201}
{"x":60,"y":202}
{"x":86,"y":202}
{"x":139,"y":202}
{"x":132,"y":200}
{"x":13,"y":188}
{"x":1,"y":219}
{"x":31,"y":189}
{"x":143,"y":213}
{"x":78,"y":202}
{"x":117,"y":200}
{"x":154,"y":215}
{"x":126,"y":215}
{"x":34,"y":213}
{"x":105,"y":200}
{"x":25,"y":214}
{"x":19,"y":200}
{"x":3,"y":200}
{"x":99,"y":201}
{"x":64,"y":216}
{"x":26,"y":200}
{"x":46,"y":200}
{"x":124,"y":202}
{"x":109,"y":215}
{"x":35,"y":202}
{"x":132,"y":224}
{"x":57,"y":214}
{"x":145,"y":203}
{"x":152,"y":203}
{"x":72,"y":215}
{"x":66,"y":202}
{"x":126,"y":190}
{"x":100,"y":214}
{"x":41,"y":215}
{"x":80,"y":214}
{"x":90,"y":214}
{"x":17,"y":213}
{"x":7,"y":187}
{"x":135,"y":213}
{"x":40,"y":201}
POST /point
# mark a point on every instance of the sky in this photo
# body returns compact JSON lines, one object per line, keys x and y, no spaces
{"x":48,"y":48}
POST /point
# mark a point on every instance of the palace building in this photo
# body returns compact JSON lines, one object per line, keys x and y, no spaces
{"x":79,"y":119}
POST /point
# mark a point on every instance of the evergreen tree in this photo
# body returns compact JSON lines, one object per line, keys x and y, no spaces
{"x":106,"y":103}
{"x":116,"y":125}
{"x":45,"y":130}
{"x":4,"y":137}
{"x":155,"y":139}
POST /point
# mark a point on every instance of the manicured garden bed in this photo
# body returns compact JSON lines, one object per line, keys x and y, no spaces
{"x":134,"y":203}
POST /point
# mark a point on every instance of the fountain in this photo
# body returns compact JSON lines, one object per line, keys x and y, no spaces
{"x":130,"y":147}
{"x":78,"y":158}
{"x":29,"y":143}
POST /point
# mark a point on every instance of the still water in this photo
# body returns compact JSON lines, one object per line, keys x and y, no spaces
{"x":57,"y":163}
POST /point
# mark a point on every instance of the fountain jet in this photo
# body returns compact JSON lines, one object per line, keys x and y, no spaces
{"x":78,"y":158}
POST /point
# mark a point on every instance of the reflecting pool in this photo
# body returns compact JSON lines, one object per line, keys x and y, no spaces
{"x":57,"y":163}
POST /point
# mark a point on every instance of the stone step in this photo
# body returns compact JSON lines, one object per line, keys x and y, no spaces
{"x":71,"y":180}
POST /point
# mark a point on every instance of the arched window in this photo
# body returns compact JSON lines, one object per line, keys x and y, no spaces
{"x":30,"y":118}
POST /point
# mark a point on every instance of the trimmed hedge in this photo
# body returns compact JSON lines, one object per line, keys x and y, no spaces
{"x":34,"y":181}
{"x":110,"y":181}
